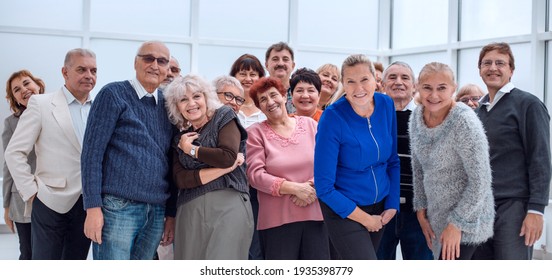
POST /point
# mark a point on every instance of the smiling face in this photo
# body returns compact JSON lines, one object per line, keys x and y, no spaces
{"x":436,"y":90}
{"x":247,"y":78}
{"x":359,"y":84}
{"x":305,"y":98}
{"x":151,"y":74}
{"x":23,"y":87}
{"x":280,"y":64}
{"x":493,"y":75}
{"x":330,"y":81}
{"x":193,"y":107}
{"x":234,"y":94}
{"x":272,"y":104}
{"x":398,"y":83}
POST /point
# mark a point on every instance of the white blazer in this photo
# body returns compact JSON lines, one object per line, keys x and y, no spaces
{"x":46,"y":124}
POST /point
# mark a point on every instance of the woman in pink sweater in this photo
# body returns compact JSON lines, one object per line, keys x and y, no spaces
{"x":280,"y":165}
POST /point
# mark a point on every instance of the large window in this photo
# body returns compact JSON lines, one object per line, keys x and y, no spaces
{"x":419,"y":23}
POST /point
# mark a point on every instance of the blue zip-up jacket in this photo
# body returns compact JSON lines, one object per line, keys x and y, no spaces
{"x":355,"y":159}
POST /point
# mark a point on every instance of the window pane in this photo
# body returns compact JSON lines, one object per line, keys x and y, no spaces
{"x":494,"y":18}
{"x":66,"y":15}
{"x":417,"y":61}
{"x":161,"y":17}
{"x":313,"y":60}
{"x":217,"y":60}
{"x":325,"y":23}
{"x":249,"y":20}
{"x":419,"y":23}
{"x":469,"y":73}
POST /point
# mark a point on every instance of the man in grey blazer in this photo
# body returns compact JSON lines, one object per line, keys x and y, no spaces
{"x":54,"y":125}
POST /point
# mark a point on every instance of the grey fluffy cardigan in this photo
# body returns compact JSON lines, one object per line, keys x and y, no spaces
{"x":452,"y":174}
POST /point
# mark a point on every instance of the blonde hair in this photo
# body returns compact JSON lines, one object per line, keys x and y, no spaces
{"x":469,"y":89}
{"x":176,"y":90}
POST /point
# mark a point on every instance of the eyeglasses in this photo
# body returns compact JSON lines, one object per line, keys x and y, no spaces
{"x":148,"y":58}
{"x":173,"y":69}
{"x":467,"y":99}
{"x":229,"y":97}
{"x":489,"y":63}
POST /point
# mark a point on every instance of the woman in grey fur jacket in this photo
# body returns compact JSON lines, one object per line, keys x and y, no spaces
{"x":451,"y":170}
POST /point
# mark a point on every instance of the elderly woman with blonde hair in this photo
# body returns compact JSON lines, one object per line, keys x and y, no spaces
{"x":214,"y":218}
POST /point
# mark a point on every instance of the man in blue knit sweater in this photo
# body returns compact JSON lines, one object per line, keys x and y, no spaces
{"x":125,"y":166}
{"x":518,"y":129}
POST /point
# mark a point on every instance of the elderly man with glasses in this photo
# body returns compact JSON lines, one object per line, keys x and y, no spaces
{"x":174,"y":71}
{"x":125,"y":164}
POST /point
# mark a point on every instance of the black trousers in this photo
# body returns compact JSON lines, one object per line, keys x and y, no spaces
{"x":58,"y":236}
{"x":506,"y":244}
{"x":307,"y":240}
{"x":351,"y":240}
{"x":24,"y":234}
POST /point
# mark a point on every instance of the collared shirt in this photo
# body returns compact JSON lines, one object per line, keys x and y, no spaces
{"x":499,"y":94}
{"x":79,"y":113}
{"x":142,"y":91}
{"x":410,"y":106}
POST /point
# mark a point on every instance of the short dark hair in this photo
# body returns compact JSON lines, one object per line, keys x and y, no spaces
{"x":280,"y":46}
{"x":305,"y":75}
{"x":502,"y":48}
{"x":264,"y":84}
{"x":247,"y":62}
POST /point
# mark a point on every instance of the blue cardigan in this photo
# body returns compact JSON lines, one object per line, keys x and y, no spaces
{"x":355,"y":159}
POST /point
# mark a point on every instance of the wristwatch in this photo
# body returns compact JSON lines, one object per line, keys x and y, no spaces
{"x":193,"y":151}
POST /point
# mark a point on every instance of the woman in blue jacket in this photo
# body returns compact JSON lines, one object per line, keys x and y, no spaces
{"x":356,"y":166}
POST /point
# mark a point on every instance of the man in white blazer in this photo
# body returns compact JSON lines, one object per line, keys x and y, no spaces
{"x":54,"y":125}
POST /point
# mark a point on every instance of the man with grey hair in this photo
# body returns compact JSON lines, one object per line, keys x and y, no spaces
{"x":399,"y":83}
{"x":125,"y":164}
{"x":54,"y":125}
{"x":174,"y":71}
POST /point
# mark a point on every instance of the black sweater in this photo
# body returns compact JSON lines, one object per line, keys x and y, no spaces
{"x":518,"y":130}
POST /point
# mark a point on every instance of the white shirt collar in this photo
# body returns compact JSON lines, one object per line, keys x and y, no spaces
{"x":411,"y":106}
{"x":499,"y":94}
{"x":141,"y":91}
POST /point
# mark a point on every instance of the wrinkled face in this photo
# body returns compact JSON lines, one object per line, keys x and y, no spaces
{"x":305,"y":98}
{"x":280,"y":64}
{"x":247,"y":78}
{"x":272,"y":104}
{"x":436,"y":91}
{"x":359,"y":84}
{"x":495,"y":70}
{"x":471,"y":99}
{"x":193,"y":107}
{"x":80,"y":74}
{"x":330,"y":81}
{"x":173,"y":72}
{"x":23,"y":87}
{"x":231,"y":96}
{"x":152,"y":65}
{"x":399,"y":84}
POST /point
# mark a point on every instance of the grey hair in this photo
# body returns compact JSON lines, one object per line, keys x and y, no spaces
{"x":176,"y":90}
{"x":356,"y":59}
{"x":225,"y":80}
{"x":436,"y":67}
{"x":402,"y":64}
{"x":77,"y":51}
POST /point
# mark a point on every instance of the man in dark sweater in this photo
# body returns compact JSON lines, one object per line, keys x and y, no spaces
{"x":398,"y":82}
{"x":518,"y":129}
{"x":125,"y":165}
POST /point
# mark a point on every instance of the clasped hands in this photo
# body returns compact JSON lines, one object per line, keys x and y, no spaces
{"x":304,"y":194}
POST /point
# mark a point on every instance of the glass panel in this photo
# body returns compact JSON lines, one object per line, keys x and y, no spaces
{"x":494,"y":18}
{"x":417,"y":61}
{"x":412,"y":25}
{"x":313,"y":60}
{"x":115,"y":59}
{"x":217,"y":60}
{"x":66,"y":15}
{"x":161,"y":17}
{"x":469,"y":73}
{"x":249,"y":20}
{"x":324,"y":23}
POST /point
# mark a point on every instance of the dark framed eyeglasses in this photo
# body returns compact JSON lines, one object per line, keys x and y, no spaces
{"x":467,"y":99}
{"x":229,"y":97}
{"x":174,"y":69}
{"x":148,"y":58}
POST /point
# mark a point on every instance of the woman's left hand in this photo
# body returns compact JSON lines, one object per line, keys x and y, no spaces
{"x":387,"y":215}
{"x":450,"y":242}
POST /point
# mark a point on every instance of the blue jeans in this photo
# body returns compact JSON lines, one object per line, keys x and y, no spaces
{"x":404,"y":227}
{"x":132,"y":230}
